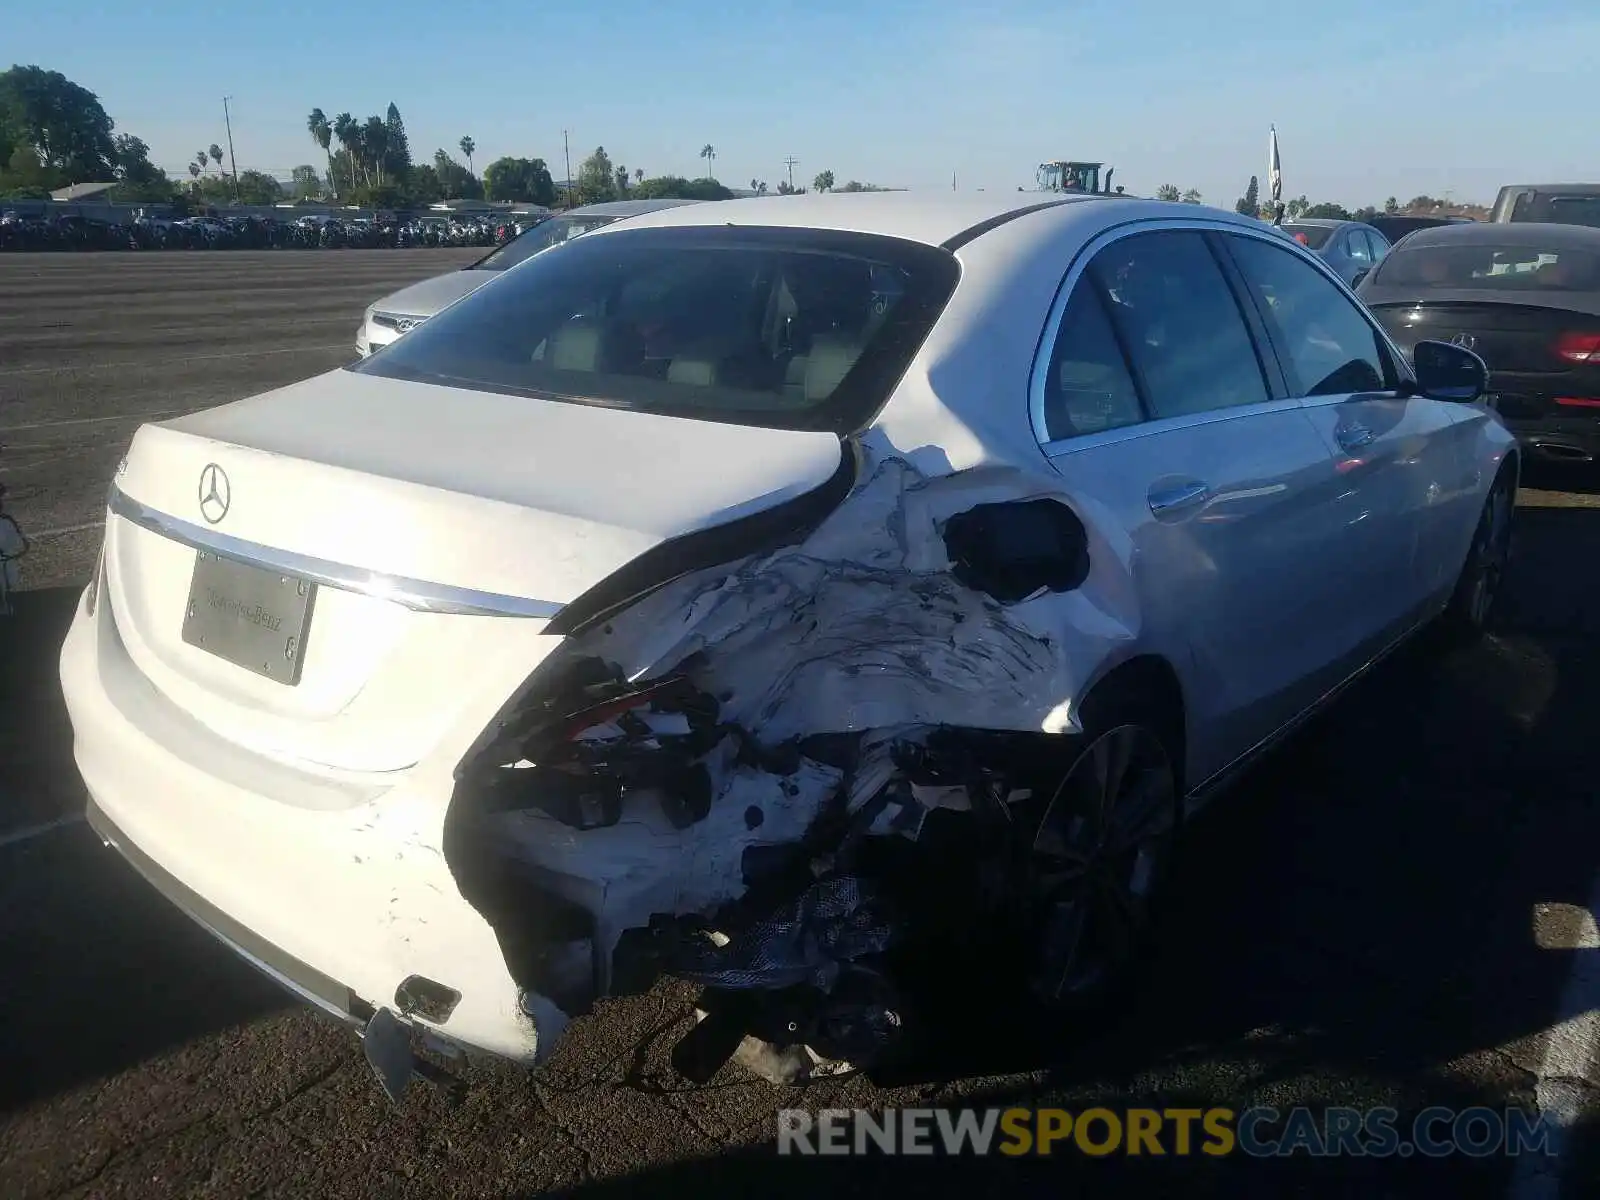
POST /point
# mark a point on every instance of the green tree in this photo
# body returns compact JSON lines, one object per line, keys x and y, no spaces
{"x":1192,"y":196}
{"x":138,"y":179}
{"x":423,"y":186}
{"x":63,"y":124}
{"x":823,"y":182}
{"x":374,"y":149}
{"x":1327,"y":211}
{"x":257,"y":187}
{"x":675,"y":187}
{"x":467,"y":147}
{"x":785,"y":188}
{"x":1297,"y":207}
{"x":1391,"y":206}
{"x":348,"y":130}
{"x":1250,"y":203}
{"x":709,"y":153}
{"x":304,"y":182}
{"x":1168,"y":192}
{"x":455,"y":181}
{"x":322,"y":133}
{"x":397,"y":147}
{"x":524,"y":179}
{"x":855,"y":185}
{"x":597,"y":178}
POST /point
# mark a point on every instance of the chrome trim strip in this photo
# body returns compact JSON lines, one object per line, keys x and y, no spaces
{"x":416,"y":594}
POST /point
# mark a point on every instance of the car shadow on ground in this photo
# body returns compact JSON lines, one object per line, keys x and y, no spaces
{"x":101,"y":972}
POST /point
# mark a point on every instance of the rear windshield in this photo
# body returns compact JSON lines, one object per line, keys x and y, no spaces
{"x":1312,"y":236}
{"x":1512,"y":268}
{"x":1553,"y":208}
{"x":784,"y":328}
{"x":541,"y":237}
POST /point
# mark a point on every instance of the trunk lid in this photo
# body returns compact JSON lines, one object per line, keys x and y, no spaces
{"x":421,"y":534}
{"x":1508,"y":337}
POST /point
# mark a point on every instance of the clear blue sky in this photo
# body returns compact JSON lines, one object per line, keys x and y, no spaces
{"x":1370,"y":99}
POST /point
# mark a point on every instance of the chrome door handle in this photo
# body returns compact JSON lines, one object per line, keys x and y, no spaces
{"x":1185,"y":495}
{"x":1355,"y":437}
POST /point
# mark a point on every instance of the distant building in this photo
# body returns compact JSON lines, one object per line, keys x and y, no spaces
{"x":82,"y":191}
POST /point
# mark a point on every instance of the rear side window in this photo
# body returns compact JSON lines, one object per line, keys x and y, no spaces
{"x":1554,"y":208}
{"x":1313,"y":237}
{"x":1331,"y":348}
{"x":784,"y":328}
{"x":1089,"y":389}
{"x":1485,"y":266}
{"x":1357,"y":247}
{"x":1172,"y":308}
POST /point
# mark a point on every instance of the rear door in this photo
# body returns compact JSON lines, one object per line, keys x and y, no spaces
{"x":1398,"y":455}
{"x":1164,"y":417}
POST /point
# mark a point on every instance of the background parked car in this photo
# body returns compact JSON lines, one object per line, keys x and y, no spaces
{"x":1396,"y":227}
{"x":1525,"y":300}
{"x":402,"y":311}
{"x":1351,"y":248}
{"x":1551,"y":203}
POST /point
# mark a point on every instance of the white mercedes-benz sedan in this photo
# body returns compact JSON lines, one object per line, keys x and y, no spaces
{"x":794,"y":597}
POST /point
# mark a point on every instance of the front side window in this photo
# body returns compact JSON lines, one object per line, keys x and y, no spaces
{"x":1331,"y":348}
{"x":785,"y":328}
{"x":1175,"y":313}
{"x":1357,"y":248}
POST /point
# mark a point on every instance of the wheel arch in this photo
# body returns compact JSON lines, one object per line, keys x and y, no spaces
{"x":1149,"y":685}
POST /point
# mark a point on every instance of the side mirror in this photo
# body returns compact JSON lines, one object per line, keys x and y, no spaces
{"x":1355,"y":281}
{"x":1446,"y":372}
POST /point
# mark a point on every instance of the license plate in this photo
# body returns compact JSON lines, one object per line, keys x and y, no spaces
{"x":252,"y":617}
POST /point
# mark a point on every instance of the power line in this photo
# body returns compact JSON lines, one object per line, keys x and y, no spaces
{"x":791,"y":162}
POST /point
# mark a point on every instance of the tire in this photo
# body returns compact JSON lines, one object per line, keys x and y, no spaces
{"x":1472,"y":609}
{"x":1101,"y":854}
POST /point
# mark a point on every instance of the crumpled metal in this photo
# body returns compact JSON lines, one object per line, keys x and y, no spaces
{"x":833,"y":922}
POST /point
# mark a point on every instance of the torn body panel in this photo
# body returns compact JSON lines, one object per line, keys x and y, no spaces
{"x":767,"y":775}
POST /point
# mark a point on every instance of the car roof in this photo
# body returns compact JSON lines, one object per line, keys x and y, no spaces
{"x":1319,"y":222}
{"x":936,"y":219}
{"x":1575,"y":189}
{"x":1543,"y":235}
{"x":626,"y":208}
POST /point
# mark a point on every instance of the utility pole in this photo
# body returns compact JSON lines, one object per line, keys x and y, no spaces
{"x":232,"y":162}
{"x":566,"y":152}
{"x":791,"y":162}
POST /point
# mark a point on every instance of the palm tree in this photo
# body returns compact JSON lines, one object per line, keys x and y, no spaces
{"x":349,"y":135}
{"x":216,"y":156}
{"x":375,"y":146}
{"x":467,"y":147}
{"x":194,"y":173}
{"x":200,"y":157}
{"x":322,"y":133}
{"x":638,"y":175}
{"x":709,"y":153}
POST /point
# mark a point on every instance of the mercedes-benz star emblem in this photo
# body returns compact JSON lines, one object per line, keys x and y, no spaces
{"x":1465,"y":340}
{"x":215,"y":494}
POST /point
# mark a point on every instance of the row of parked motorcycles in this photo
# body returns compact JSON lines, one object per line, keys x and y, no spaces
{"x":19,"y":233}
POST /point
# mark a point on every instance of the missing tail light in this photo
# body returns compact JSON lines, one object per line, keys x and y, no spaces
{"x":1579,"y":347}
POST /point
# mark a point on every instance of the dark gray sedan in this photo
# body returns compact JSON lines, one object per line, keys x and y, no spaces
{"x":1351,"y":248}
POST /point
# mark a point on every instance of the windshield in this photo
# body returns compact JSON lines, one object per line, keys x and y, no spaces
{"x":1314,"y":237}
{"x":784,"y":328}
{"x":1511,"y":268}
{"x":541,"y":237}
{"x":1554,"y":208}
